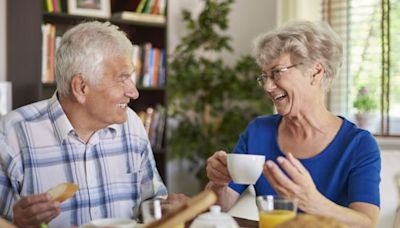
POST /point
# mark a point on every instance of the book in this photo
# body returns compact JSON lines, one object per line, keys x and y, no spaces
{"x":147,"y":6}
{"x":140,"y":7}
{"x":141,"y":17}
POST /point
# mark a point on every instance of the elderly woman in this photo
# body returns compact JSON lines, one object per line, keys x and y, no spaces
{"x":327,"y":163}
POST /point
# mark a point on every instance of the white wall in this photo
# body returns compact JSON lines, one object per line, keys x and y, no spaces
{"x":3,"y":40}
{"x":247,"y":20}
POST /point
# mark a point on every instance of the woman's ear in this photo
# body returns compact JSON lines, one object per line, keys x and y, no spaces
{"x":317,"y":74}
{"x":79,"y":88}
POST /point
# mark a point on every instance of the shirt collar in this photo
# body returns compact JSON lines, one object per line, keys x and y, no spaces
{"x":63,"y":126}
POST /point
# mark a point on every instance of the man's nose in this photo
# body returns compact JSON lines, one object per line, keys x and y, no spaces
{"x":130,"y":89}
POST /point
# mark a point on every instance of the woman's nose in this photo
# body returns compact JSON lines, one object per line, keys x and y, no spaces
{"x":269,"y":84}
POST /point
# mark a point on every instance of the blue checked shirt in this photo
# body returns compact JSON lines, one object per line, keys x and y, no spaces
{"x":39,"y":149}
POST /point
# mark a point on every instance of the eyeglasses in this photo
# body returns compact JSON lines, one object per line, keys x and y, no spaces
{"x":275,"y":74}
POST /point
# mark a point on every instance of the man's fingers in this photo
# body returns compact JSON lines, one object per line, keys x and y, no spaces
{"x":33,"y":199}
{"x":43,"y":217}
{"x":39,"y":208}
{"x":57,"y":213}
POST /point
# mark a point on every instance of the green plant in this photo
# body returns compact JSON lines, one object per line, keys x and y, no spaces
{"x":211,"y":101}
{"x":364,"y":102}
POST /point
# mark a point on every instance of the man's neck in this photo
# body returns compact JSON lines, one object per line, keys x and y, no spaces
{"x":78,"y":118}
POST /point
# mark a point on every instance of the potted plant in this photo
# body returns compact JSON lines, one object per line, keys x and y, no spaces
{"x":365,"y":105}
{"x":210,"y":101}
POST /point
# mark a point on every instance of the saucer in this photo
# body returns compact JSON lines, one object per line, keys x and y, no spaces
{"x":112,"y":223}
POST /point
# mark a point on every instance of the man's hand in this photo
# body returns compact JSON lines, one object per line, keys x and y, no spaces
{"x":177,"y":198}
{"x":217,"y":169}
{"x":31,"y":211}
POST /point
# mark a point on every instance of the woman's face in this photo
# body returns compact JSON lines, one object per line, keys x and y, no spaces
{"x":288,"y":85}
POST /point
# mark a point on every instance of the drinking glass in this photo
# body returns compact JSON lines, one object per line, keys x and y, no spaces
{"x":274,"y":210}
{"x":155,"y":209}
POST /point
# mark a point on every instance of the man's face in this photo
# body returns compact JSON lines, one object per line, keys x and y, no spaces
{"x":108,"y":100}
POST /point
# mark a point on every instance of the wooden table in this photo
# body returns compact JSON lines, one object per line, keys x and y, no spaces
{"x":245,"y":223}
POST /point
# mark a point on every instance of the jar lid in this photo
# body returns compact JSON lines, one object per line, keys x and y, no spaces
{"x":214,"y":218}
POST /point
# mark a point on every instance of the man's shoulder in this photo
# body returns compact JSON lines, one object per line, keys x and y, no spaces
{"x":27,"y":113}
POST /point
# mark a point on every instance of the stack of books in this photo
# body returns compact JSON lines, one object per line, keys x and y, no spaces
{"x":154,"y":122}
{"x":148,"y":11}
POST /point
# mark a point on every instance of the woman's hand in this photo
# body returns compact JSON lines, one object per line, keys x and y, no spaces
{"x":217,"y":169}
{"x":297,"y":184}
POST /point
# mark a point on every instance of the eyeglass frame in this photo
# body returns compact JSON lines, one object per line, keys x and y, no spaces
{"x":275,"y":74}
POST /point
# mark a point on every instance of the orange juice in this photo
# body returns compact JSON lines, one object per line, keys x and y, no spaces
{"x":273,"y":218}
{"x":182,"y":225}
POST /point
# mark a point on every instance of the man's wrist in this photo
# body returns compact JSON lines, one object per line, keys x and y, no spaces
{"x":216,"y":187}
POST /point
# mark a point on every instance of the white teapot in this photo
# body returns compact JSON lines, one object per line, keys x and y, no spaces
{"x":214,"y":219}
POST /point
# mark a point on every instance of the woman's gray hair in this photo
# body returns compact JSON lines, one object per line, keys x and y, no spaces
{"x":306,"y":42}
{"x":82,"y":50}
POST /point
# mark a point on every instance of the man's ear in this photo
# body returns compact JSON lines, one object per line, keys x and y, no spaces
{"x":317,"y":74}
{"x":79,"y":88}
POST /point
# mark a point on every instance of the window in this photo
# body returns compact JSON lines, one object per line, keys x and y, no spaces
{"x":369,"y":82}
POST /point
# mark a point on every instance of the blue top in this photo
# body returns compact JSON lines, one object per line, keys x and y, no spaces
{"x":346,"y":171}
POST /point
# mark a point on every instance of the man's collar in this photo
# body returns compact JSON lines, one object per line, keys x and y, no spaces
{"x":63,"y":126}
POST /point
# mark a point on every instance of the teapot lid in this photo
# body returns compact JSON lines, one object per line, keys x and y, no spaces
{"x":214,"y":218}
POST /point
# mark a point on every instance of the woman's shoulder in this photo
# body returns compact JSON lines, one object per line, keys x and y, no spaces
{"x":353,"y":130}
{"x":357,"y":136}
{"x":263,"y":124}
{"x":266,"y":120}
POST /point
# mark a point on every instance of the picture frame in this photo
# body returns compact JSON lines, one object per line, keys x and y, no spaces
{"x":92,"y":8}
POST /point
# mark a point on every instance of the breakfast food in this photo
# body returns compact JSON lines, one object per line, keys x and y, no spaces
{"x":63,"y":191}
{"x":187,"y":211}
{"x":312,"y":221}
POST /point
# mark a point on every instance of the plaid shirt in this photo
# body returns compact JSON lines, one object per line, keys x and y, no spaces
{"x":39,"y":149}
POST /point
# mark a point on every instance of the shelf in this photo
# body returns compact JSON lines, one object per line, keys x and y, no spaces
{"x":65,"y":18}
{"x":24,"y":40}
{"x":54,"y":85}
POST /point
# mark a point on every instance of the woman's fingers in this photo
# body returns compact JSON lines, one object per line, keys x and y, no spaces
{"x":274,"y":183}
{"x":280,"y":182}
{"x":217,"y":170}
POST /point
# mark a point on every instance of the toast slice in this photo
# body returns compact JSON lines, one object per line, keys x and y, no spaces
{"x":63,"y":191}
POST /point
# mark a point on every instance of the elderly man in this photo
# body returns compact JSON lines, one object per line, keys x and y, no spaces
{"x":85,"y":134}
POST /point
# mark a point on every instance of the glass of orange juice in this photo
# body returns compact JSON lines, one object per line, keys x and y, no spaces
{"x":274,"y":210}
{"x":155,"y":209}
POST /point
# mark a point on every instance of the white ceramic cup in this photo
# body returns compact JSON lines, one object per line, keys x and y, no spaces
{"x":113,"y":222}
{"x":245,"y":168}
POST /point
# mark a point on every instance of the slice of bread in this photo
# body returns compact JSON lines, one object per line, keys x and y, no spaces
{"x":63,"y":191}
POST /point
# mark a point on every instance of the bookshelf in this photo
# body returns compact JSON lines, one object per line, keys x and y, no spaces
{"x":24,"y":54}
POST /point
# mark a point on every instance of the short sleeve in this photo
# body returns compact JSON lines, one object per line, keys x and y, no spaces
{"x":364,"y":177}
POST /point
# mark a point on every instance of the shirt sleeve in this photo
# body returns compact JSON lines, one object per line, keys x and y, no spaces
{"x":8,"y":181}
{"x":152,"y":185}
{"x":364,"y":176}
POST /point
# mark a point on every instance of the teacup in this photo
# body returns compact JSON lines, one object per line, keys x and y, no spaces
{"x":113,"y":222}
{"x":245,"y":168}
